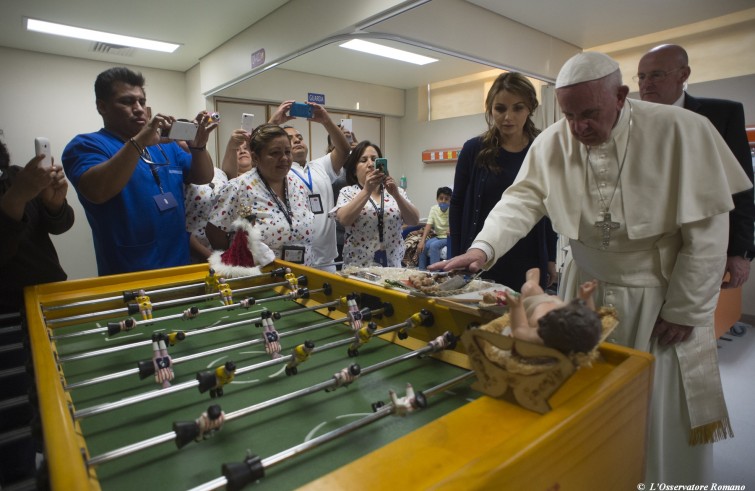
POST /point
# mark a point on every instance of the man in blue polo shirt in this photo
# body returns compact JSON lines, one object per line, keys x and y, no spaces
{"x":130,"y":184}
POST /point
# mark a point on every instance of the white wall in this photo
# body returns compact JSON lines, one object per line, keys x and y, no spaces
{"x":53,"y":96}
{"x":415,"y":136}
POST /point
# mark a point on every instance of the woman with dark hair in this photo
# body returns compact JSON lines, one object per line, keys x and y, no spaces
{"x":487,"y":165}
{"x":372,"y":209}
{"x":275,"y":196}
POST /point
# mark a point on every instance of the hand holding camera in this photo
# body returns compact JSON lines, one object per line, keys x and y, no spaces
{"x":206,"y":122}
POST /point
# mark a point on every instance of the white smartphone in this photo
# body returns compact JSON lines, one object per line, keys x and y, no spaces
{"x":183,"y":130}
{"x":42,"y":146}
{"x":247,"y":122}
{"x":346,"y":126}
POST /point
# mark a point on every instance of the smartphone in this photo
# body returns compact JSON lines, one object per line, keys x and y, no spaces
{"x":42,"y":146}
{"x":300,"y":110}
{"x":346,"y":125}
{"x":382,"y":165}
{"x":247,"y":122}
{"x":183,"y":130}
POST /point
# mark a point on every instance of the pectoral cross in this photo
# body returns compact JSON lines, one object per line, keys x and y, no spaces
{"x":607,"y":225}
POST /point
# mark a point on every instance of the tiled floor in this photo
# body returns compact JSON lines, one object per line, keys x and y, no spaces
{"x":734,"y":462}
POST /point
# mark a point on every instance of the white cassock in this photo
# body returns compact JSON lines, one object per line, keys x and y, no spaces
{"x":665,"y":257}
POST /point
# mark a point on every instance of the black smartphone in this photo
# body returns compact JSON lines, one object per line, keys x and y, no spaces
{"x":382,"y":165}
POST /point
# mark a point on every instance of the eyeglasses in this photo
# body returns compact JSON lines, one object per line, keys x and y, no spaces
{"x":655,"y":76}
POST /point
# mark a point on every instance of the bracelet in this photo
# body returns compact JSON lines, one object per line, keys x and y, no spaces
{"x":199,"y":149}
{"x":136,"y":146}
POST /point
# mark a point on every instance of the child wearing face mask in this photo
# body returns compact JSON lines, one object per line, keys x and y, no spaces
{"x":437,"y":221}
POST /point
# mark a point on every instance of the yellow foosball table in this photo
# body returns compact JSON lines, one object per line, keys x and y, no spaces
{"x":298,"y":378}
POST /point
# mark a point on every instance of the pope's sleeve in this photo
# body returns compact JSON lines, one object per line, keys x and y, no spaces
{"x":696,"y":277}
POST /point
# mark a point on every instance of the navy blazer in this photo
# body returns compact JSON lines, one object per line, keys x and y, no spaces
{"x":729,"y":119}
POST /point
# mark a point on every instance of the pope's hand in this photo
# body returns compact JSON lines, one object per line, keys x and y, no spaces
{"x":669,"y":333}
{"x":473,"y":260}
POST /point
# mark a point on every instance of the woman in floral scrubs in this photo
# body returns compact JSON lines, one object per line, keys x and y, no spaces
{"x":277,"y":198}
{"x":371,"y":201}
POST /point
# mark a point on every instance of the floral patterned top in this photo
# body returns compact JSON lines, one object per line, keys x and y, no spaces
{"x":249,"y":190}
{"x":361,"y":239}
{"x":198,"y":201}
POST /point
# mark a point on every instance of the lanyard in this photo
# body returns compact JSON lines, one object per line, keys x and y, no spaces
{"x":283,"y":207}
{"x":146,"y":157}
{"x":307,"y":182}
{"x":153,"y":166}
{"x":381,"y":213}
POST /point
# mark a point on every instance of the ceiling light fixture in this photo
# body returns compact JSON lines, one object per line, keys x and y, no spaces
{"x":380,"y":50}
{"x":105,"y":37}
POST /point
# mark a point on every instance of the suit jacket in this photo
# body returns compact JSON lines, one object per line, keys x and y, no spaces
{"x":729,"y":119}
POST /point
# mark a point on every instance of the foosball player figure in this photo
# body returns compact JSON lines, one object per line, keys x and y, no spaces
{"x":247,"y":302}
{"x":361,"y":337}
{"x":272,"y":343}
{"x":409,"y":403}
{"x":204,"y":427}
{"x":447,"y":340}
{"x":214,"y":380}
{"x":300,"y":355}
{"x":190,"y":313}
{"x":209,"y":422}
{"x":345,"y":376}
{"x":174,"y":337}
{"x":114,"y":328}
{"x":422,"y":318}
{"x":211,"y":282}
{"x":225,"y":292}
{"x":161,"y":360}
{"x":355,"y":315}
{"x":145,"y":305}
{"x":293,"y":283}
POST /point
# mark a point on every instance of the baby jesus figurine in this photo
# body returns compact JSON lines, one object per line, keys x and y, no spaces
{"x":540,"y":318}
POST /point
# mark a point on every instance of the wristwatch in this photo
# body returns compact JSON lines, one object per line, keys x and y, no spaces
{"x":749,"y":255}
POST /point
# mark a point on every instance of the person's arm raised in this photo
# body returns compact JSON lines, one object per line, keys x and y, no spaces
{"x":103,"y":181}
{"x":341,"y":147}
{"x":202,"y":170}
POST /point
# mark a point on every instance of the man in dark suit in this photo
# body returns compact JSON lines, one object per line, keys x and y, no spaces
{"x":662,"y":76}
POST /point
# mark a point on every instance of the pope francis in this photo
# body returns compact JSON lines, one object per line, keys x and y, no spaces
{"x":642,"y":191}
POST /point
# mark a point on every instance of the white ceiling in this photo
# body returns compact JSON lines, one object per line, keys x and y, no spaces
{"x":588,"y":23}
{"x":202,"y":25}
{"x":199,"y":26}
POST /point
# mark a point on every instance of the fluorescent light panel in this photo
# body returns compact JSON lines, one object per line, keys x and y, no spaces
{"x":104,"y":37}
{"x":396,"y":54}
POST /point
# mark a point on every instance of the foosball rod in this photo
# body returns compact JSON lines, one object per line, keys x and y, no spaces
{"x":159,"y":305}
{"x":300,"y":293}
{"x":126,"y":296}
{"x":194,"y":356}
{"x":146,"y":396}
{"x":270,"y":462}
{"x":331,"y":383}
{"x":197,"y":332}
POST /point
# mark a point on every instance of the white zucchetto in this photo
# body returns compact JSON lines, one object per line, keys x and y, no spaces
{"x":585,"y":67}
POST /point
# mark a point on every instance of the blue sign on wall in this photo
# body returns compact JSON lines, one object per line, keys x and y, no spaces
{"x":316,"y":98}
